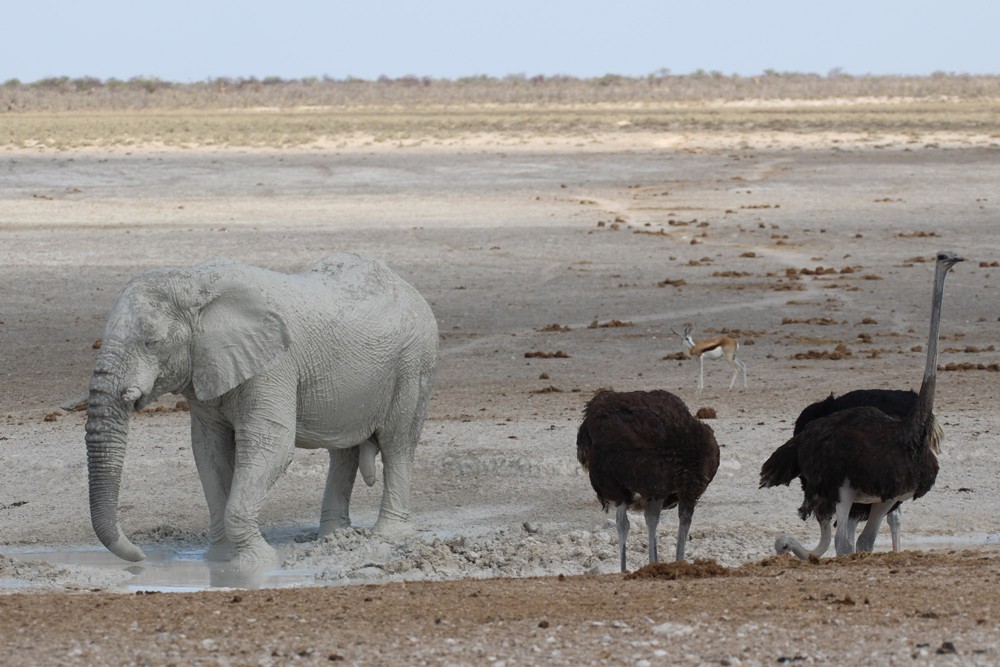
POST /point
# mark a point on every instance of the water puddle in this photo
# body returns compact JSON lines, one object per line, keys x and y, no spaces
{"x":165,"y":569}
{"x":176,"y":568}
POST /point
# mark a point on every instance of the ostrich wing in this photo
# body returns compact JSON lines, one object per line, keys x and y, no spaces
{"x":867,"y":448}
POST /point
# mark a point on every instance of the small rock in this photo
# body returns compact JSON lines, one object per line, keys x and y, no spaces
{"x":947,"y":648}
{"x":669,"y":629}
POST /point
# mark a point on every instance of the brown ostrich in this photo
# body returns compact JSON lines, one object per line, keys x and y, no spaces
{"x":644,"y":450}
{"x":864,"y":455}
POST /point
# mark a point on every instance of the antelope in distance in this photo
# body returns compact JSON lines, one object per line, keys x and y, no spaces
{"x":712,"y":349}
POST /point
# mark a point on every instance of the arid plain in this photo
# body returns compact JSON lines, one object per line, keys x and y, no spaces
{"x":558,"y":257}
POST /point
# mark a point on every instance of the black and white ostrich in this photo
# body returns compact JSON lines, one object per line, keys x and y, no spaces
{"x":864,"y":455}
{"x":645,"y":450}
{"x":893,"y":402}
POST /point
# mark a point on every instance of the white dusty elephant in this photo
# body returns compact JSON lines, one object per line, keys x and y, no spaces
{"x":341,"y":357}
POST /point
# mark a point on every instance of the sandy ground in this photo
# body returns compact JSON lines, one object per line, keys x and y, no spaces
{"x":618,"y":244}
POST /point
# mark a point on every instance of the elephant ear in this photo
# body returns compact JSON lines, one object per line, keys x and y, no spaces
{"x":239,"y":335}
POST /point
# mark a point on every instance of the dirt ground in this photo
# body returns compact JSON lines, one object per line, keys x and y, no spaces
{"x":814,"y":251}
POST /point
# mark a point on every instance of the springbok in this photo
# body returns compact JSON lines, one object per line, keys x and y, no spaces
{"x":714,"y":348}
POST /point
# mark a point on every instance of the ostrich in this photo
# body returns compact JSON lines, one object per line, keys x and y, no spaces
{"x":864,"y":455}
{"x":644,"y":450}
{"x":895,"y":403}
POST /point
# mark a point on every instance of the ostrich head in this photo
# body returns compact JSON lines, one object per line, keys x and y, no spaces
{"x":949,"y":258}
{"x":786,"y":544}
{"x":783,"y":544}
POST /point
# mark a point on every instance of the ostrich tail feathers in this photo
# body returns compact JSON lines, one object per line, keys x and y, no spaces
{"x":782,"y":466}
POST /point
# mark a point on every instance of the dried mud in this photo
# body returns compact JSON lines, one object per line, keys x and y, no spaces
{"x":512,"y":561}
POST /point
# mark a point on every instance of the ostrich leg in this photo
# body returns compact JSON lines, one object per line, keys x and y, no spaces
{"x":866,"y":541}
{"x":685,"y":511}
{"x":893,"y":519}
{"x":843,"y":541}
{"x":652,"y":514}
{"x":621,"y":518}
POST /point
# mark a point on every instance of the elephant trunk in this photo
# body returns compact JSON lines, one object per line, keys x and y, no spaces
{"x":107,"y":435}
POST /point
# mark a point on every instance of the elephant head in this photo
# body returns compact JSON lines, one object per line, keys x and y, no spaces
{"x":199,"y":332}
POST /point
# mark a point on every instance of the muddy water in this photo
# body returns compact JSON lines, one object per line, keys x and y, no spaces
{"x":184,"y":569}
{"x":167,"y":569}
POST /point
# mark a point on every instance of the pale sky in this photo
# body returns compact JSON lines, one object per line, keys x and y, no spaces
{"x":194,"y":40}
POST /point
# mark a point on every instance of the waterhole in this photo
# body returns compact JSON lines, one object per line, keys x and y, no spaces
{"x":165,"y":569}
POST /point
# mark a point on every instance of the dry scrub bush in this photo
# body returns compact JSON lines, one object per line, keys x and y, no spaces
{"x":71,"y":113}
{"x":88,"y":93}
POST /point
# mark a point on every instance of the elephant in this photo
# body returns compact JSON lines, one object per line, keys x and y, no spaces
{"x":340,"y":356}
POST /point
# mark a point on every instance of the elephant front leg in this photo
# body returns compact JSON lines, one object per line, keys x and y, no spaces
{"x":263,"y":451}
{"x":336,"y":512}
{"x":213,"y":446}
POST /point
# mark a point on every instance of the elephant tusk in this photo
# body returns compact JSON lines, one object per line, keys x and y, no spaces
{"x":131,"y":395}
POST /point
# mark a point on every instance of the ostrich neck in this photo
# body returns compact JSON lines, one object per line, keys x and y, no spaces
{"x":925,"y":399}
{"x":799,"y":550}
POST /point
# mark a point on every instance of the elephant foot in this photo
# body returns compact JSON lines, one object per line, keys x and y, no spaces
{"x":393,"y":528}
{"x":256,"y":555}
{"x":328,"y":528}
{"x":220,"y":551}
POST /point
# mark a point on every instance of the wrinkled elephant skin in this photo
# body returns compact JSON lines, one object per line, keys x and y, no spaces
{"x":339,"y":357}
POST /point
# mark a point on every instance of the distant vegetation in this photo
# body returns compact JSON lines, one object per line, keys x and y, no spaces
{"x":88,"y":93}
{"x":64,"y":113}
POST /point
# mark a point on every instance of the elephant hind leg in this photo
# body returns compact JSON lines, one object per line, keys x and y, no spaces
{"x":397,"y":442}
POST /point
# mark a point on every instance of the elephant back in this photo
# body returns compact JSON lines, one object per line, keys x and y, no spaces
{"x":356,"y":276}
{"x":375,"y":293}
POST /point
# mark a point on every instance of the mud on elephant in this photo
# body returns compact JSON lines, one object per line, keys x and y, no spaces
{"x":339,"y":357}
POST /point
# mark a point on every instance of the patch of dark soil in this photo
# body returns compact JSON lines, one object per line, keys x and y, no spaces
{"x":967,"y":366}
{"x":610,"y":324}
{"x":837,"y":354}
{"x":700,"y":569}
